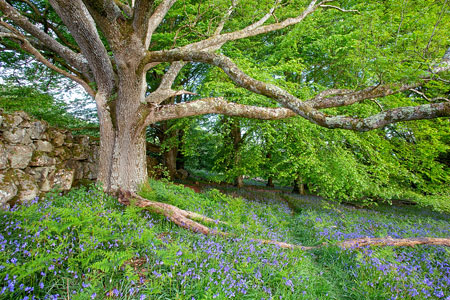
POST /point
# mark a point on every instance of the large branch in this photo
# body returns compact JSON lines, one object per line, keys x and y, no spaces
{"x":254,"y":29}
{"x":156,"y":19}
{"x":82,"y":26}
{"x":304,"y":109}
{"x":26,"y":46}
{"x":241,"y":79}
{"x":141,"y":15}
{"x":75,"y":59}
{"x":219,"y":106}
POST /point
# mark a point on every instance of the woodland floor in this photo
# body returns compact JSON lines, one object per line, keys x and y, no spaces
{"x":84,"y":245}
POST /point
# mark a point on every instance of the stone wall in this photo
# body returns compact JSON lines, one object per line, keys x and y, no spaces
{"x":35,"y":158}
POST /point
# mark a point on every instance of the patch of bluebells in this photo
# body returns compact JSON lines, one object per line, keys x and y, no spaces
{"x":104,"y":251}
{"x":60,"y":243}
{"x":43,"y":242}
{"x":341,"y":223}
{"x":396,"y":273}
{"x":422,"y":272}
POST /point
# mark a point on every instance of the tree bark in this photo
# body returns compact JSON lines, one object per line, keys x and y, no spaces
{"x":299,"y":187}
{"x":128,"y":161}
{"x":270,"y":178}
{"x":170,"y":161}
{"x":236,"y":137}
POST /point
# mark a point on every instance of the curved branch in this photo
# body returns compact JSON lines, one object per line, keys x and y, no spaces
{"x":305,"y":109}
{"x":254,"y":29}
{"x":346,"y":97}
{"x":338,"y":8}
{"x":75,"y":59}
{"x":156,"y":19}
{"x":80,"y":23}
{"x":406,"y":113}
{"x":26,"y":46}
{"x":219,"y":106}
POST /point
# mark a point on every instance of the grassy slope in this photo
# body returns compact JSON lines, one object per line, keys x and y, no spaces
{"x":87,"y":246}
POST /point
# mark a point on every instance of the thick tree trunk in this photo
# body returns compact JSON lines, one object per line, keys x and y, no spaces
{"x":299,"y":187}
{"x":128,"y":164}
{"x":107,"y":141}
{"x":239,"y":181}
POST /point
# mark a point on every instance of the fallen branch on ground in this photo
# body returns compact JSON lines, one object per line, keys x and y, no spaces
{"x":186,"y":219}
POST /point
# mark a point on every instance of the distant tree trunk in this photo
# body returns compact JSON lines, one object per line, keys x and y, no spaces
{"x":170,"y":161}
{"x":270,"y":182}
{"x":270,"y":179}
{"x":299,"y":187}
{"x":236,"y":137}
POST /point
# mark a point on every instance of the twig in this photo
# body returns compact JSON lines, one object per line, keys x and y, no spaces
{"x":338,"y":8}
{"x":429,"y":99}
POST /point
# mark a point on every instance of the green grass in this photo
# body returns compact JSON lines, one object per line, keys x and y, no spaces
{"x":84,"y":245}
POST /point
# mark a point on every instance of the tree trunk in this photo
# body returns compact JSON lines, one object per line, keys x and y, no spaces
{"x":299,"y":187}
{"x":239,"y":181}
{"x":236,"y":137}
{"x":107,"y":141}
{"x":170,"y":161}
{"x":126,"y":163}
{"x":270,"y":179}
{"x":270,"y":182}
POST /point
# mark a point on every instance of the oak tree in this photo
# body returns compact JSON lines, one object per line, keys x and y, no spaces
{"x":111,"y":47}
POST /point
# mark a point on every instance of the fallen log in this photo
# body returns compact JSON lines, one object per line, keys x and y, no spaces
{"x":187,"y":219}
{"x":389,"y":241}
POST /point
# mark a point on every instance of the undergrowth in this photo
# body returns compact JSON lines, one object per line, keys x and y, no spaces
{"x":85,"y":245}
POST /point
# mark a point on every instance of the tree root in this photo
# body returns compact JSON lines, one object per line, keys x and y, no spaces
{"x":186,"y":219}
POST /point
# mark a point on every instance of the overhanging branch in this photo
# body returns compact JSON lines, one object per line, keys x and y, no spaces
{"x":308,"y":110}
{"x":219,"y":106}
{"x":26,"y":46}
{"x":75,"y":59}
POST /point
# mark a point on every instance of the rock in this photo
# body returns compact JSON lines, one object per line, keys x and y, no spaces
{"x":90,"y":171}
{"x":17,"y":136}
{"x":43,"y":146}
{"x":182,"y":174}
{"x":3,"y":157}
{"x":78,"y":167}
{"x":63,"y":153}
{"x":28,"y":189}
{"x":23,"y":115}
{"x":80,"y":152}
{"x":82,"y":140}
{"x":40,"y":173}
{"x":19,"y":156}
{"x":37,"y":129}
{"x":8,"y":188}
{"x":42,"y":176}
{"x":42,"y":159}
{"x":1,"y":120}
{"x":62,"y":179}
{"x":11,"y":121}
{"x":58,"y":138}
{"x":94,"y":151}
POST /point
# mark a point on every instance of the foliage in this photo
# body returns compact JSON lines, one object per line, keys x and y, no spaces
{"x":41,"y":106}
{"x":402,"y":161}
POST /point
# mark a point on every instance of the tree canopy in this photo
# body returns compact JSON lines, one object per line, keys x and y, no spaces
{"x":338,"y":64}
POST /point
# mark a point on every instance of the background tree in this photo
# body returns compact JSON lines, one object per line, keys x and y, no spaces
{"x":109,"y":46}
